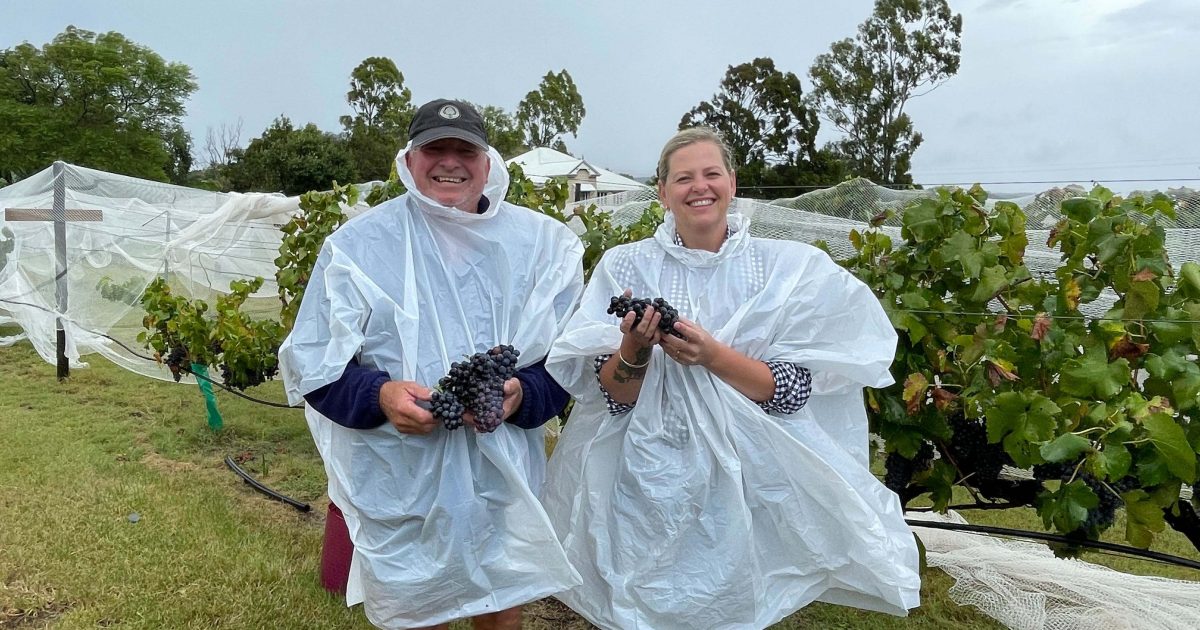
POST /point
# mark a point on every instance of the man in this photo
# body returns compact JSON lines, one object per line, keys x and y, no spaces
{"x":445,"y":524}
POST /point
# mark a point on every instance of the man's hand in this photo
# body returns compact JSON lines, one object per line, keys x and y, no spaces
{"x":398,"y":400}
{"x":514,"y":394}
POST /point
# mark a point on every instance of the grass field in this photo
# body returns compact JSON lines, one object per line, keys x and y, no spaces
{"x":117,"y":511}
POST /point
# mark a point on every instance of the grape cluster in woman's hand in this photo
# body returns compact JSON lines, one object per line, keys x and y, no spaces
{"x":620,"y":305}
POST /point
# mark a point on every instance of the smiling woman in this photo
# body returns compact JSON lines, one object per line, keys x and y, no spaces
{"x":719,"y":478}
{"x":697,"y":188}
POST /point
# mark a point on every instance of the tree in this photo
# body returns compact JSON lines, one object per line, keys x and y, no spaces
{"x":761,"y":114}
{"x":220,"y":144}
{"x":862,"y":85}
{"x":382,"y":110}
{"x":101,"y":101}
{"x":503,"y":131}
{"x":292,"y":161}
{"x":551,"y":110}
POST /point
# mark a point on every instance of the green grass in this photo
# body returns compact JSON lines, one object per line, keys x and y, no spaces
{"x":77,"y":459}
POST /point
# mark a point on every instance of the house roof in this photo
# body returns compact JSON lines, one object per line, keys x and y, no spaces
{"x":541,"y":164}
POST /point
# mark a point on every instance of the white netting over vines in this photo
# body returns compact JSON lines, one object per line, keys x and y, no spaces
{"x":1025,"y":587}
{"x":200,"y":240}
{"x":829,"y":214}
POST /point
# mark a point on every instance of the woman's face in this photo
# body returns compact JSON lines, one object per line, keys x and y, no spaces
{"x":698,"y":188}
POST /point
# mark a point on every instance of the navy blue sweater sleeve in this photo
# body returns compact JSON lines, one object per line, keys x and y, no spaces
{"x":352,"y":400}
{"x":542,"y":397}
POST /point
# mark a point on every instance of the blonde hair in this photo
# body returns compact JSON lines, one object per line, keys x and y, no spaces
{"x":687,"y":137}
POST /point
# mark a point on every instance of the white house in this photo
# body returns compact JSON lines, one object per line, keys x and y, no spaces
{"x":586,"y":181}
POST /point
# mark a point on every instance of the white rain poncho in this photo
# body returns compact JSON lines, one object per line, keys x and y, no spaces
{"x":445,"y":525}
{"x":697,"y":509}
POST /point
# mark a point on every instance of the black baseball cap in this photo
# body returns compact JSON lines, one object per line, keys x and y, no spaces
{"x":445,"y":118}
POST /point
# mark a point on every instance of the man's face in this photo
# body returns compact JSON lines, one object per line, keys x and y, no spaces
{"x":450,"y":171}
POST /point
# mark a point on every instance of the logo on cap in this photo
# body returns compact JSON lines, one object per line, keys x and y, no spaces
{"x":449,"y":112}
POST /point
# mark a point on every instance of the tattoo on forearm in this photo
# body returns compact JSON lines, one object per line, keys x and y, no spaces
{"x":625,"y":373}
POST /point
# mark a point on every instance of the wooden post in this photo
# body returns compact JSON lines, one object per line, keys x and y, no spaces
{"x":60,"y":216}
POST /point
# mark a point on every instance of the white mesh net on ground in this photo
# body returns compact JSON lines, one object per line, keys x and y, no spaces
{"x":1025,"y":587}
{"x":200,"y":240}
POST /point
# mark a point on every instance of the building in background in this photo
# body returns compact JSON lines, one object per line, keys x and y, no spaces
{"x":586,"y":181}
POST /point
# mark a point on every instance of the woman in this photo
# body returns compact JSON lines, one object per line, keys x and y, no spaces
{"x":699,"y":483}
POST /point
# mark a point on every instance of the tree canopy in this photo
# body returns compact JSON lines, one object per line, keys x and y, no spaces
{"x":862,"y":85}
{"x":503,"y":131}
{"x":550,"y":111}
{"x":382,"y":110}
{"x":771,"y":132}
{"x":292,"y":161}
{"x":97,"y":100}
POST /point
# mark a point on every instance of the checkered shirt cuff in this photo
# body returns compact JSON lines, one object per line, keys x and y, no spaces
{"x":793,"y":386}
{"x":614,"y":408}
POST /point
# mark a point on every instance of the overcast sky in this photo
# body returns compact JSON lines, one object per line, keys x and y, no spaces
{"x":1063,"y":90}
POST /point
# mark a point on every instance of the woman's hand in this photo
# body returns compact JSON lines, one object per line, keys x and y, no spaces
{"x":697,"y":347}
{"x":645,"y":333}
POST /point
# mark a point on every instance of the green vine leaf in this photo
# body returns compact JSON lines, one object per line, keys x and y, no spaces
{"x":921,"y":221}
{"x":1169,"y":439}
{"x":1189,"y":281}
{"x":1112,"y":461}
{"x":1091,"y":376}
{"x":962,"y":248}
{"x":1142,"y":299}
{"x":1067,"y":508}
{"x":991,"y":282}
{"x":1022,"y":420}
{"x":1143,"y":518}
{"x":1066,"y":447}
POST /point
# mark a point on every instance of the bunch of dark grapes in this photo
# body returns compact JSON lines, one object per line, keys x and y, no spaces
{"x":621,"y":305}
{"x":177,"y":362}
{"x":899,"y":470}
{"x":246,"y":378}
{"x":971,"y":451}
{"x":1101,"y":517}
{"x":447,"y":409}
{"x":476,"y":385}
{"x":1053,"y":470}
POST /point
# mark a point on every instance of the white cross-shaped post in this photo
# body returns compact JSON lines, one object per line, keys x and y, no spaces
{"x":60,"y":215}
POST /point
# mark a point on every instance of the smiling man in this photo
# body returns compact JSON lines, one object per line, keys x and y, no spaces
{"x":445,"y":523}
{"x":448,"y":159}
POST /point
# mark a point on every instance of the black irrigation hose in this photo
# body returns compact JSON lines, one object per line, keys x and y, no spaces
{"x":257,"y":485}
{"x":1058,"y":538}
{"x":228,"y":389}
{"x":199,"y":376}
